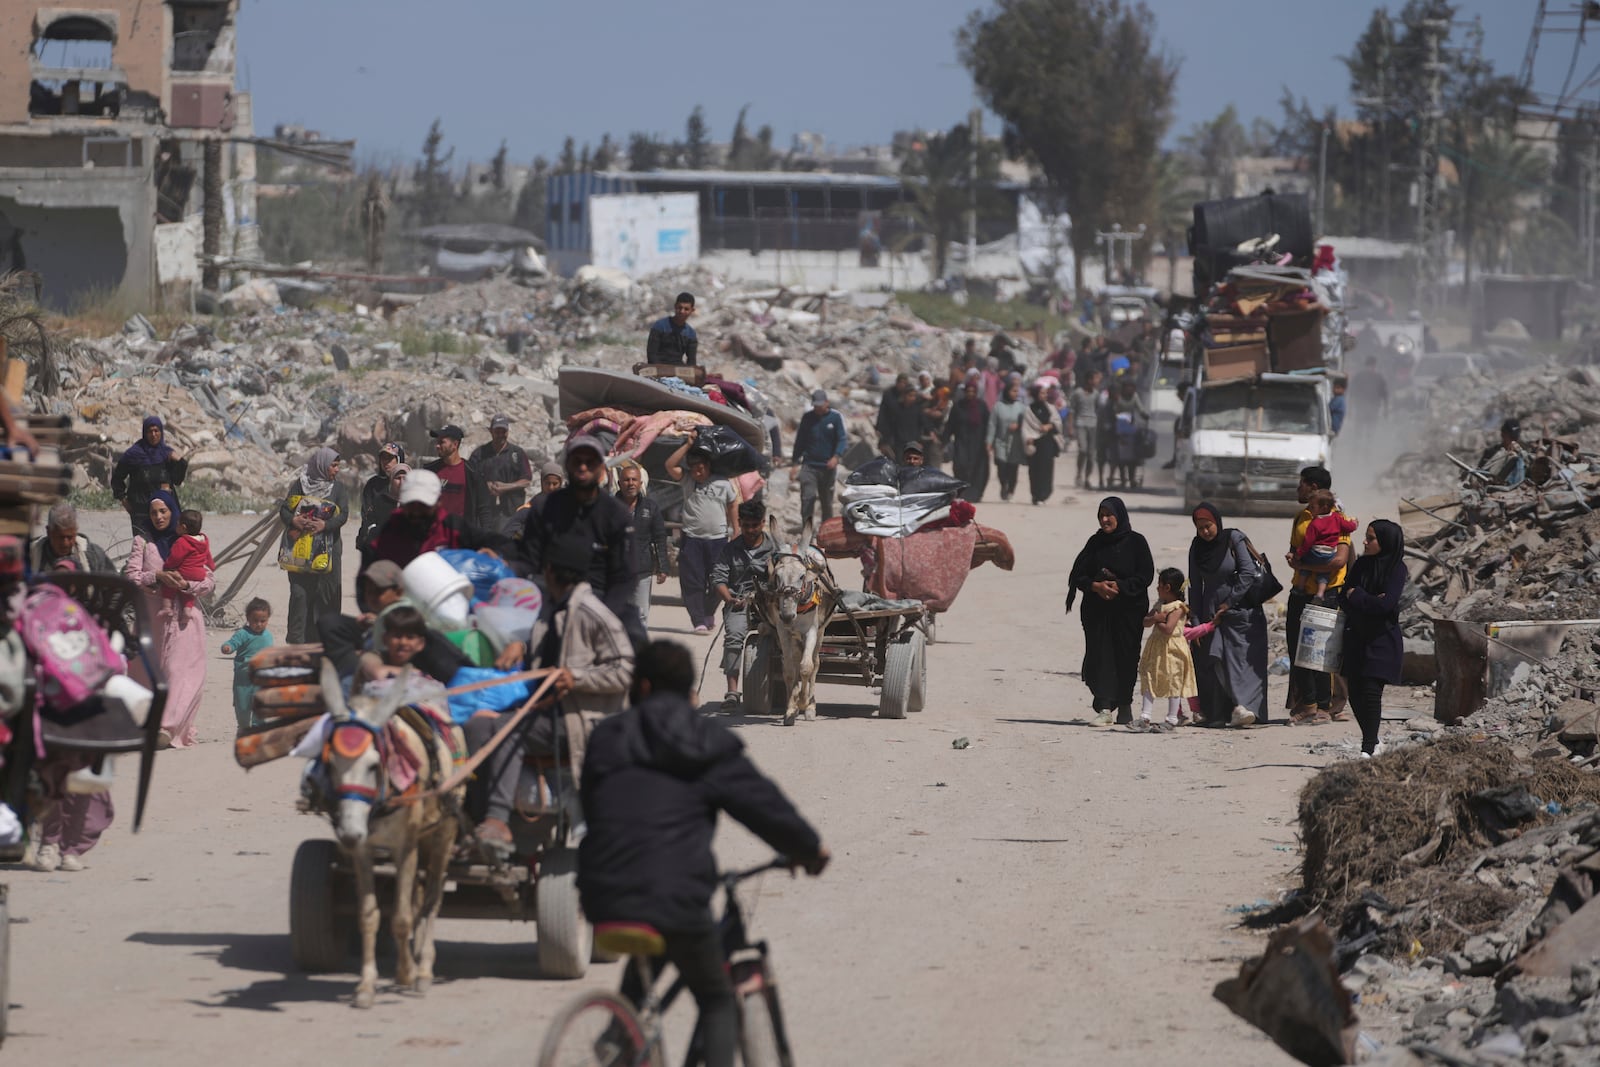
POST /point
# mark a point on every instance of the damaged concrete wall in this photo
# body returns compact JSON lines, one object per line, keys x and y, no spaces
{"x":89,"y":235}
{"x":141,"y":33}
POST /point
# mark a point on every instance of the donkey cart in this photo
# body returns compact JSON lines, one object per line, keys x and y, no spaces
{"x":884,"y":648}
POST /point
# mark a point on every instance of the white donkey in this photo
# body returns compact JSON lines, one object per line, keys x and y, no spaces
{"x":795,"y":602}
{"x":370,"y":815}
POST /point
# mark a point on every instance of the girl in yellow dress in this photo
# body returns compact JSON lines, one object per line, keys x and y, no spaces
{"x":1165,"y":667}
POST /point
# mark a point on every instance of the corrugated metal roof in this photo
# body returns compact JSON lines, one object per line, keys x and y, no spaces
{"x":1368,"y":247}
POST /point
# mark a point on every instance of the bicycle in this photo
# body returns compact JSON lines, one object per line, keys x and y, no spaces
{"x":605,"y":1029}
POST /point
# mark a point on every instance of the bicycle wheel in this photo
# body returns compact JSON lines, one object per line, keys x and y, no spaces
{"x":598,"y":1030}
{"x":759,"y":1045}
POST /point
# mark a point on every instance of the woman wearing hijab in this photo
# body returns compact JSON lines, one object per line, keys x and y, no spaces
{"x":1041,"y":443}
{"x":147,"y":467}
{"x":181,"y":627}
{"x":966,"y":431}
{"x":1005,"y":439}
{"x":1373,"y":644}
{"x":316,"y":504}
{"x":1231,"y":663}
{"x":1113,"y":572}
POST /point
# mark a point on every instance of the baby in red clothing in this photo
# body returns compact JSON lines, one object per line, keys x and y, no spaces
{"x":191,"y":552}
{"x":1327,"y":526}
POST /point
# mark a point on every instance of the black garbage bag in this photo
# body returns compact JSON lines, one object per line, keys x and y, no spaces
{"x":929,"y":480}
{"x":731,"y":454}
{"x":879,"y":471}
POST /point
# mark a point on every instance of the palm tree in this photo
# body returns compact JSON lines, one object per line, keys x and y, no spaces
{"x":1498,"y":174}
{"x":937,"y":189}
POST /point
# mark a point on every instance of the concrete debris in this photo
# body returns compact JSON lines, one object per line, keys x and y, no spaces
{"x":249,"y":395}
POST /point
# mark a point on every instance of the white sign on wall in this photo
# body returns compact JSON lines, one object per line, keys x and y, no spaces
{"x":643,"y":233}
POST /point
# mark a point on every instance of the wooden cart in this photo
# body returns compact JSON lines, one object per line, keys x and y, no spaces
{"x":884,"y":649}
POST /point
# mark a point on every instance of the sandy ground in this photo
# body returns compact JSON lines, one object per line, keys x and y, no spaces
{"x":1051,"y":894}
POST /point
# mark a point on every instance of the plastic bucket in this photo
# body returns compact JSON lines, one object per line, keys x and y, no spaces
{"x":444,"y":592}
{"x":1321,"y":645}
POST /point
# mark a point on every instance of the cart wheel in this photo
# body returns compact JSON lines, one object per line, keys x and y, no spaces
{"x":901,"y":664}
{"x":565,"y":940}
{"x":919,"y":675}
{"x":760,"y":658}
{"x":933,"y":628}
{"x":5,"y":962}
{"x":319,"y":937}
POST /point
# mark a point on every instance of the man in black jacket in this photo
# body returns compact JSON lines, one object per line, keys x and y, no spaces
{"x":654,"y":778}
{"x":649,"y":537}
{"x":582,"y":509}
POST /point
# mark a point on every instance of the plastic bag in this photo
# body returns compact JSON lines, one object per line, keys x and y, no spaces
{"x":879,"y":471}
{"x":929,"y":480}
{"x":495,"y":698}
{"x":730,"y":453}
{"x":483,"y":571}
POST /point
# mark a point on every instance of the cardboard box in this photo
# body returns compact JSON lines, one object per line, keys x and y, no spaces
{"x":1236,"y":361}
{"x":1296,"y":340}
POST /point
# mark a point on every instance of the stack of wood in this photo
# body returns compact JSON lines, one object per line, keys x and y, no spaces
{"x":1262,"y":322}
{"x":287,"y":702}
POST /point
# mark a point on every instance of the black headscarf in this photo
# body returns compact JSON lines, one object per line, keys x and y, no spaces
{"x":1372,"y":573}
{"x":1207,"y":555}
{"x":1104,"y":551}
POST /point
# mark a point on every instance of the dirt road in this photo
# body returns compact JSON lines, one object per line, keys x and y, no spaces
{"x":1051,"y":894}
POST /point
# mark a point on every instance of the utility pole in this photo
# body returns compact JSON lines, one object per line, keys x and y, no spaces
{"x":975,"y":130}
{"x":1322,"y":184}
{"x":1428,"y":169}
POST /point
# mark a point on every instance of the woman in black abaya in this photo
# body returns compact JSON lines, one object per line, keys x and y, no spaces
{"x":1113,"y":572}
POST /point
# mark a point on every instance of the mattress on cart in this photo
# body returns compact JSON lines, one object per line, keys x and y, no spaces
{"x":929,"y":565}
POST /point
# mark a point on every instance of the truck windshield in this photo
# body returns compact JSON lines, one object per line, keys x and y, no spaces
{"x":1261,"y":407}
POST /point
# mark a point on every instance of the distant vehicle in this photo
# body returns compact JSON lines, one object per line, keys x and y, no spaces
{"x":1126,"y":303}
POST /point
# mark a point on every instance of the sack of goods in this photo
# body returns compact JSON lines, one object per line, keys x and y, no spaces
{"x":884,"y":499}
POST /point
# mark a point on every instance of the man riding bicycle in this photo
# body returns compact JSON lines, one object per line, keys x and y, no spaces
{"x":654,"y":778}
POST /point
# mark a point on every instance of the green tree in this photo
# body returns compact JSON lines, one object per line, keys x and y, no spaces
{"x":497,"y":169}
{"x":1175,"y":198}
{"x":1505,"y":181}
{"x":605,"y":156}
{"x":644,"y":152}
{"x":530,"y":210}
{"x":1083,"y":88}
{"x":583,"y":159}
{"x":937,"y":185}
{"x":1214,"y":149}
{"x":433,"y":178}
{"x":696,"y":140}
{"x":740,"y":145}
{"x":568,"y":163}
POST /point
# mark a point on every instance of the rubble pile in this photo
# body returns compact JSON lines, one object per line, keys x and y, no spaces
{"x":1550,"y":402}
{"x":247,"y":396}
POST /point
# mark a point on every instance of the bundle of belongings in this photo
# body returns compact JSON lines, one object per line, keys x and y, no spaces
{"x":884,"y":499}
{"x":1266,"y":317}
{"x":61,"y":668}
{"x":473,"y":607}
{"x":916,"y":538}
{"x":629,"y":436}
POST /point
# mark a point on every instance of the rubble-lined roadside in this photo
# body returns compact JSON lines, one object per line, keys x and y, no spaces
{"x":1458,"y":872}
{"x":248,"y":395}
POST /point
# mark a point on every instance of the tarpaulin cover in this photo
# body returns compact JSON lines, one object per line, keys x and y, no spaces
{"x":730,"y":453}
{"x":930,"y":566}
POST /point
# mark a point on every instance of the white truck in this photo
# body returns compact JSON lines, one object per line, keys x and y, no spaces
{"x":1242,"y":442}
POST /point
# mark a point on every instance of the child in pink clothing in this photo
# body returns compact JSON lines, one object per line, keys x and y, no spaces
{"x":191,"y":553}
{"x":1322,"y":536}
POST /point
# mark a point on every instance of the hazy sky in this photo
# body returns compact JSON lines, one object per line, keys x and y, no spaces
{"x":853,"y":70}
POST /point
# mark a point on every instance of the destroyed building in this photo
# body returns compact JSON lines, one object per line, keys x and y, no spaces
{"x":119,"y":126}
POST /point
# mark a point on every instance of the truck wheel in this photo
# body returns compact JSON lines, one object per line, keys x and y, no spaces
{"x":319,"y":937}
{"x":565,"y":940}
